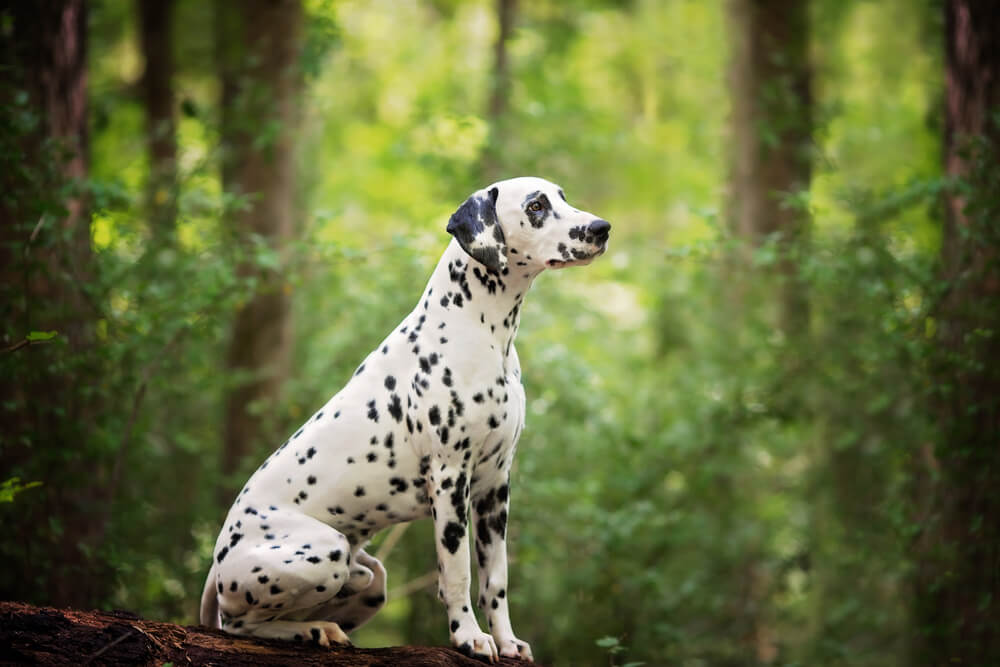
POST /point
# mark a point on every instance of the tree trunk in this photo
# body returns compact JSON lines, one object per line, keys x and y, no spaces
{"x":46,"y":270}
{"x":770,"y":164}
{"x":499,"y":95}
{"x":156,"y":32}
{"x":259,"y":50}
{"x":957,"y":600}
{"x":771,"y":125}
{"x":47,"y":59}
{"x":33,"y":635}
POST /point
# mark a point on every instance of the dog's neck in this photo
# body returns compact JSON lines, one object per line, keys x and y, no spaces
{"x":462,"y":289}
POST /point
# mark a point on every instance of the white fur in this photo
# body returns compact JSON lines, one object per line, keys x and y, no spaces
{"x":427,"y":426}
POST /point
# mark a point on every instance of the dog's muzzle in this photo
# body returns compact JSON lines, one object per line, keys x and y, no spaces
{"x":596,"y":235}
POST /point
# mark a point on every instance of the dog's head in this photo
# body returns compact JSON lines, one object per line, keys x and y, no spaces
{"x":527,"y":223}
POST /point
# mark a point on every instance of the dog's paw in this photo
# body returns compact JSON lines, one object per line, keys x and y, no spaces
{"x":512,"y":647}
{"x":476,"y":644}
{"x":327,"y":633}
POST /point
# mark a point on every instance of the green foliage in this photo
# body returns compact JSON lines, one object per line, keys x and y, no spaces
{"x":12,"y":487}
{"x":693,"y":483}
{"x":615,"y":648}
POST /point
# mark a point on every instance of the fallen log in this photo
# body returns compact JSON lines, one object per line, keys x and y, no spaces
{"x":47,"y":636}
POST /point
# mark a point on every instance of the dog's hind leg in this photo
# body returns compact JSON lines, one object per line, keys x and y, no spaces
{"x":269,"y":584}
{"x":353,"y":610}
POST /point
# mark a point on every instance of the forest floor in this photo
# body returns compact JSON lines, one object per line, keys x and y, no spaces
{"x":47,"y":636}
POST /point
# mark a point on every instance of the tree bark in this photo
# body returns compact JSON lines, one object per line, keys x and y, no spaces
{"x":957,"y":599}
{"x":49,"y":636}
{"x":45,"y":266}
{"x":769,"y":82}
{"x":47,"y":59}
{"x":771,"y":125}
{"x":155,"y":28}
{"x":500,"y":93}
{"x":259,"y":49}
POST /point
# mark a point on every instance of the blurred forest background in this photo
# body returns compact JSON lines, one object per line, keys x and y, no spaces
{"x":762,"y":430}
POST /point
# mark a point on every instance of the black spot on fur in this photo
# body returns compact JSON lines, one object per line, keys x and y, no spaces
{"x":396,"y":408}
{"x":482,"y":531}
{"x":452,"y":538}
{"x":485,"y":504}
{"x":499,"y":523}
{"x":480,"y":555}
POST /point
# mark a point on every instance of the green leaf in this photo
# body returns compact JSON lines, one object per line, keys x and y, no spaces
{"x":41,"y":335}
{"x":12,"y":487}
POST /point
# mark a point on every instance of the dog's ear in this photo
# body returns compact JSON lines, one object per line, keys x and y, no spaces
{"x":477,"y":229}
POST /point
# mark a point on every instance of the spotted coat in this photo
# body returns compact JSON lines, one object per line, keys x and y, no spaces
{"x":426,"y":427}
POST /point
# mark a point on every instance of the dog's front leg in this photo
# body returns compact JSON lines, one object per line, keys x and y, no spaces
{"x":449,"y":487}
{"x":490,"y":520}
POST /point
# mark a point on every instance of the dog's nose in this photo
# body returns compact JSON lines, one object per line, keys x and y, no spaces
{"x":600,"y":229}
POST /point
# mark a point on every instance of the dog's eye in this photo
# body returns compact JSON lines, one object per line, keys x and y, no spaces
{"x":535,"y":206}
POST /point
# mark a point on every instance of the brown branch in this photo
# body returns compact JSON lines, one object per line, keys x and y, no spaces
{"x":24,"y":342}
{"x":42,"y":635}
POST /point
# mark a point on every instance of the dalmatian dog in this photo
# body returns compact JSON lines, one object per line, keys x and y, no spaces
{"x":426,"y":427}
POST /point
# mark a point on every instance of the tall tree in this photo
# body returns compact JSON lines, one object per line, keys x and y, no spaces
{"x":45,"y":258}
{"x":771,"y":125}
{"x":770,"y":162}
{"x":259,"y":50}
{"x":958,"y":584}
{"x":500,"y":92}
{"x":155,"y":30}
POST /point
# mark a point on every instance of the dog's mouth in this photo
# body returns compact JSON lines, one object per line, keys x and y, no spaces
{"x":579,"y":258}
